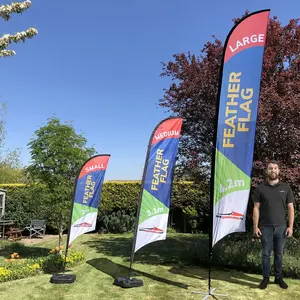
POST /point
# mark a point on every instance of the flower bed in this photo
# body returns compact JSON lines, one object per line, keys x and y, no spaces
{"x":16,"y":267}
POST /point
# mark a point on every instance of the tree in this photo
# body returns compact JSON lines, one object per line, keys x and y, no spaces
{"x":7,"y":39}
{"x":10,"y":164}
{"x":11,"y":170}
{"x":57,"y":153}
{"x":193,"y":95}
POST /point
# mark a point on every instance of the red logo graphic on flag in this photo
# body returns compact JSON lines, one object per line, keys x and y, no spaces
{"x":152,"y":230}
{"x":84,"y":224}
{"x":233,"y":215}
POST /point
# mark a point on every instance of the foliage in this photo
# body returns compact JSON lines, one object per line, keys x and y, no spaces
{"x":117,"y":222}
{"x":57,"y":154}
{"x":192,"y":95}
{"x":10,"y":168}
{"x":171,"y":230}
{"x":10,"y":164}
{"x":120,"y":195}
{"x":53,"y":263}
{"x":240,"y":251}
{"x":7,"y":39}
{"x":192,"y":214}
{"x":189,"y":200}
{"x":27,"y":202}
{"x":9,"y":174}
{"x":55,"y":260}
{"x":16,"y":267}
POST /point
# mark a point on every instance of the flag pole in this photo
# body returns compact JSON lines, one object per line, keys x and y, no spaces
{"x":213,"y":160}
{"x":141,"y":194}
{"x":125,"y":281}
{"x":70,"y":278}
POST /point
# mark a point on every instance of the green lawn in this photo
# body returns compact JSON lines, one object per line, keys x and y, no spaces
{"x":156,"y":264}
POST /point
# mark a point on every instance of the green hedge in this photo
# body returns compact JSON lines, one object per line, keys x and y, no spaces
{"x":189,"y":206}
{"x":27,"y":202}
{"x":117,"y":195}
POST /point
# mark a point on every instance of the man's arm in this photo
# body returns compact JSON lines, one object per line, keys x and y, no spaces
{"x":256,"y":208}
{"x":289,"y":231}
{"x":290,"y":203}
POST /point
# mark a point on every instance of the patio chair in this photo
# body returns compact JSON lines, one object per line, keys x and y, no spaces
{"x":36,"y":228}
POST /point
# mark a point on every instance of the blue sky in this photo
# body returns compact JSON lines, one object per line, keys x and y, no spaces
{"x":97,"y":63}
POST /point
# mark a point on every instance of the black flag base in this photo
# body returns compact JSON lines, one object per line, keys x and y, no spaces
{"x":210,"y":293}
{"x":63,"y":278}
{"x":126,"y":282}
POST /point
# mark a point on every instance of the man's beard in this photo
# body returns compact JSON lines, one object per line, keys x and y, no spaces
{"x":273,"y":176}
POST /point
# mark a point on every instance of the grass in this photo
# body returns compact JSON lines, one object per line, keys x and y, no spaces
{"x":161,"y":265}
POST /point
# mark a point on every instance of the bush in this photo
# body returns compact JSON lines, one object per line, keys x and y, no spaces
{"x":171,"y":230}
{"x":117,"y":222}
{"x":240,"y":251}
{"x":55,"y":261}
{"x":123,"y":196}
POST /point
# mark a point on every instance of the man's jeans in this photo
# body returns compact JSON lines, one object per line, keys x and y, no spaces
{"x":272,"y":235}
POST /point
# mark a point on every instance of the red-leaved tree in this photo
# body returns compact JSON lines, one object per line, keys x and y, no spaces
{"x":193,"y":96}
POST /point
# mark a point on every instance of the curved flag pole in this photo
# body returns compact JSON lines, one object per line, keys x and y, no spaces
{"x":171,"y":126}
{"x":85,"y":207}
{"x":245,"y":36}
{"x":141,"y":191}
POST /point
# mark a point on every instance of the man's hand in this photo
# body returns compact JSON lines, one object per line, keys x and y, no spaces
{"x":256,"y":232}
{"x":289,"y":231}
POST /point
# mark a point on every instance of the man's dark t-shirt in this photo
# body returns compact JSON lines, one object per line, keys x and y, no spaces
{"x":273,"y":201}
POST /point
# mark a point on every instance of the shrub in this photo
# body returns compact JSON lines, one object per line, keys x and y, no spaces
{"x":5,"y":274}
{"x":171,"y":230}
{"x":55,"y":261}
{"x":117,"y":222}
{"x":240,"y":251}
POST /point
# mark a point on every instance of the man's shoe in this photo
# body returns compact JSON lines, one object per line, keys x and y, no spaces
{"x":281,"y":283}
{"x":264,"y":283}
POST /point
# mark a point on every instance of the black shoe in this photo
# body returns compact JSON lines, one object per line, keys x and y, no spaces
{"x":281,"y":283}
{"x":264,"y":283}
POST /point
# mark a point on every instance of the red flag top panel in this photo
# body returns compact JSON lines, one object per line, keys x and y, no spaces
{"x":98,"y":163}
{"x":168,"y":129}
{"x":249,"y":33}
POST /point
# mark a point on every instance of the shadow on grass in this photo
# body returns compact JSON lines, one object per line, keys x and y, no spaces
{"x":25,"y":251}
{"x":217,"y":274}
{"x":171,"y":250}
{"x":116,"y":270}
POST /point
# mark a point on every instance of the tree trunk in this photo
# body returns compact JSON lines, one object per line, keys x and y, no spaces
{"x":60,"y":236}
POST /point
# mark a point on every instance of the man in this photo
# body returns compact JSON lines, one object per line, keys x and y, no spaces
{"x":269,"y":221}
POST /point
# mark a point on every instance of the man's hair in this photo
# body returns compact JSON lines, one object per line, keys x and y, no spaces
{"x":274,"y":162}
